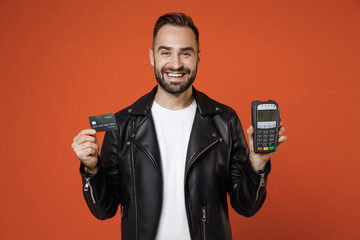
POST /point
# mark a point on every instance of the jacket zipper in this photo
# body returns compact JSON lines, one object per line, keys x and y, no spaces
{"x":134,"y":182}
{"x":187,"y":170}
{"x":204,"y":221}
{"x":87,"y":187}
{"x":262,"y":184}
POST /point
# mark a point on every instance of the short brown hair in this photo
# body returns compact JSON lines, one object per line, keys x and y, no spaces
{"x":177,"y":19}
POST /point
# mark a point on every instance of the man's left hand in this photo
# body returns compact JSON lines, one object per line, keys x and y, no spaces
{"x":259,"y":160}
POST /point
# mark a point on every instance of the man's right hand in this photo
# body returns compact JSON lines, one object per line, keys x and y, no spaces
{"x":86,"y":148}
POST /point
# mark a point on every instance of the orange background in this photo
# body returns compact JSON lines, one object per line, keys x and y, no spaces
{"x":62,"y":61}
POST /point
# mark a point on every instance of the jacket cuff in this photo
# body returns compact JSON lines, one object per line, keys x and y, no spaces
{"x":89,"y":175}
{"x":267,"y":169}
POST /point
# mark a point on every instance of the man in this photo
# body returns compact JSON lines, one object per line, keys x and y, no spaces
{"x":176,"y":153}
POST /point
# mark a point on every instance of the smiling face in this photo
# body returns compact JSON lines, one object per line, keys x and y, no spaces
{"x":175,"y":57}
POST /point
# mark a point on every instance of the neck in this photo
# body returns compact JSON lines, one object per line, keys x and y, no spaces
{"x":174,"y":101}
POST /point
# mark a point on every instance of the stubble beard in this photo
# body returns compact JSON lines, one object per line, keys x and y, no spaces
{"x":175,"y":87}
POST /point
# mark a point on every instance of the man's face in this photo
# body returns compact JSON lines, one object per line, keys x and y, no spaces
{"x":175,"y":57}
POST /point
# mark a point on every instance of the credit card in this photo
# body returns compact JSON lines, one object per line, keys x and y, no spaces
{"x":105,"y":122}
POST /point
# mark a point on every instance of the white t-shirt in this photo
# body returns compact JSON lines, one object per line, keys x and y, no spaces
{"x":173,"y":130}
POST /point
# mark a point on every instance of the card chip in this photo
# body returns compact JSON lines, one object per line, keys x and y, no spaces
{"x":105,"y":122}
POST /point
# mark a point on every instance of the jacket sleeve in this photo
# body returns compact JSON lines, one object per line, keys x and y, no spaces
{"x":247,"y":188}
{"x":101,"y":190}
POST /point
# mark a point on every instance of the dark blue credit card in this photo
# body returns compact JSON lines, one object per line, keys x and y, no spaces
{"x":105,"y":122}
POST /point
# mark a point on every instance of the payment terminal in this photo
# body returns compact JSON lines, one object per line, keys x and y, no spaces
{"x":265,"y":120}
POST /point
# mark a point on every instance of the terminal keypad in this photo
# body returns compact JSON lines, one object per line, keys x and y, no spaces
{"x":265,"y":140}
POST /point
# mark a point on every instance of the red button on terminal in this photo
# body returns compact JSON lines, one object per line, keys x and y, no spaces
{"x":259,"y":148}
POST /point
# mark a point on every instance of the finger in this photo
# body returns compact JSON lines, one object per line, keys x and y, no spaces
{"x":87,"y":145}
{"x":281,"y":131}
{"x":282,"y":139}
{"x":86,"y":138}
{"x":90,"y":132}
{"x":86,"y":153}
{"x":90,"y":151}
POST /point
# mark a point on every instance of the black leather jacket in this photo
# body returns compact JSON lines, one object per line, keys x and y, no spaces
{"x":216,"y":164}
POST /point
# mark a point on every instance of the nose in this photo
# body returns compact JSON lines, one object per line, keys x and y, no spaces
{"x":176,"y":62}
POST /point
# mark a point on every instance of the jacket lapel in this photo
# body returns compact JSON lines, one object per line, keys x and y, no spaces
{"x":201,"y":138}
{"x":145,"y":138}
{"x":145,"y":134}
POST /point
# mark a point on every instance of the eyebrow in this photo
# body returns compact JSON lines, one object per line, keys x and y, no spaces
{"x":181,"y":49}
{"x":187,"y":49}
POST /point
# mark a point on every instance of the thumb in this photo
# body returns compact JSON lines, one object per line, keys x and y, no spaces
{"x":250,"y":132}
{"x":97,"y":144}
{"x":96,"y":140}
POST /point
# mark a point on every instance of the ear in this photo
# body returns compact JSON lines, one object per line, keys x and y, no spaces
{"x":198,"y":56}
{"x":151,"y":55}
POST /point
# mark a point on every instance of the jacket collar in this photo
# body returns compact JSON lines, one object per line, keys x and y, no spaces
{"x":205,"y":105}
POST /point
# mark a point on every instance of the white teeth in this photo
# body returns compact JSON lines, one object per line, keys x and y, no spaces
{"x":175,"y":74}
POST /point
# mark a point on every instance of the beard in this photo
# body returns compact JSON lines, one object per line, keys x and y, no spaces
{"x":175,"y":87}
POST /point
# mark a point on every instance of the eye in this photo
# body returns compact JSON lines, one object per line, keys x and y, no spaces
{"x":165,"y":53}
{"x":186,"y":54}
